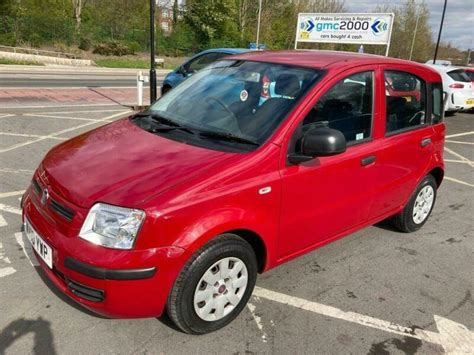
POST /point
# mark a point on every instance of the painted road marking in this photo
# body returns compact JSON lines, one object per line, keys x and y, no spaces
{"x":460,"y":142}
{"x":11,"y":193}
{"x":10,"y":209}
{"x":52,"y":135}
{"x":41,"y":115}
{"x":455,"y":338}
{"x":16,"y":171}
{"x":458,"y":181}
{"x":450,"y":151}
{"x":60,"y":106}
{"x":27,"y":250}
{"x":3,"y":222}
{"x":460,"y":134}
{"x":258,"y":321}
{"x":8,"y":270}
{"x":456,"y":161}
{"x":27,"y":135}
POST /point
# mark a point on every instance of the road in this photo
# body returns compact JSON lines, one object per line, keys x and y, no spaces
{"x":55,"y":77}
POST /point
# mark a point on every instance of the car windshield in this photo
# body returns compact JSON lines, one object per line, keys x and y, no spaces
{"x":238,"y":101}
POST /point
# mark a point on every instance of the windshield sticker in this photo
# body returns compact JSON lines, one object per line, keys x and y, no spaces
{"x":359,"y":136}
{"x":244,"y":95}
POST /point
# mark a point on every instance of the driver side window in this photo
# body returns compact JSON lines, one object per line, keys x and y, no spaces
{"x":347,"y":107}
{"x":405,"y":101}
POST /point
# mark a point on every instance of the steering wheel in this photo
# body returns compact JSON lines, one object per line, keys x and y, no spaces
{"x":222,"y":104}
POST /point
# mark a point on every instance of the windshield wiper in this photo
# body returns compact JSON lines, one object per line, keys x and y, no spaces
{"x":169,"y":124}
{"x":227,"y":137}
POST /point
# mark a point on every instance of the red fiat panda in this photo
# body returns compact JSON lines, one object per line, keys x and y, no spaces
{"x":179,"y":207}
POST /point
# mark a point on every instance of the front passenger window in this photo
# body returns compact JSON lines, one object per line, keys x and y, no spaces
{"x":347,"y":107}
{"x":405,"y":100}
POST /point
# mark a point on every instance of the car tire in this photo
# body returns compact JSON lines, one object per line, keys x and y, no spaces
{"x":419,"y":207}
{"x":450,"y":113}
{"x":197,"y":305}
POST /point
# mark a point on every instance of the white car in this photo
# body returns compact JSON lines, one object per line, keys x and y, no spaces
{"x":458,"y":87}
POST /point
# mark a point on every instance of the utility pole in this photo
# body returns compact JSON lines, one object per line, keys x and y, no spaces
{"x":152,"y":53}
{"x":414,"y":33}
{"x":258,"y":21}
{"x":440,"y":29}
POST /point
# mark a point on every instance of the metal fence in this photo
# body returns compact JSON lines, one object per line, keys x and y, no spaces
{"x":38,"y":52}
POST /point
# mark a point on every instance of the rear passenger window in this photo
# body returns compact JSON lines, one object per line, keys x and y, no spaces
{"x":437,"y":97}
{"x":405,"y":100}
{"x":347,"y":107}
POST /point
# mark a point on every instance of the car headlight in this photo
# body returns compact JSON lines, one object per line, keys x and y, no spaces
{"x":112,"y":226}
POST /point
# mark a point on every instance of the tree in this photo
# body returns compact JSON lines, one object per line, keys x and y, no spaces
{"x":77,"y":6}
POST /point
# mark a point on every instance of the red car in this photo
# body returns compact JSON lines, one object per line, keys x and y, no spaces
{"x":179,"y":208}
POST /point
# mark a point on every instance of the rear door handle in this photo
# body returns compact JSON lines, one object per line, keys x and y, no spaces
{"x":425,"y":142}
{"x":368,"y":160}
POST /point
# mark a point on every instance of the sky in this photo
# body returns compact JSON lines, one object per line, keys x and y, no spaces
{"x":458,"y":25}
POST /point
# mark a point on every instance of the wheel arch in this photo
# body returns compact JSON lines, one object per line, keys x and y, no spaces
{"x":257,"y":243}
{"x":438,"y":174}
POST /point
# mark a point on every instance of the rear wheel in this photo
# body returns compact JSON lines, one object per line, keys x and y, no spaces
{"x":214,"y":286}
{"x":418,"y":209}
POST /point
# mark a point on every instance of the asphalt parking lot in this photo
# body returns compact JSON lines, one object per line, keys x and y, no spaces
{"x":374,"y":292}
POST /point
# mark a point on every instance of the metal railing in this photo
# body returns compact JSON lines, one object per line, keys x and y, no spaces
{"x":38,"y":52}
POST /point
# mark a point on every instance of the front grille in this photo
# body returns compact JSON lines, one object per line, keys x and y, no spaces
{"x":88,"y":293}
{"x":61,"y":210}
{"x":37,"y":187}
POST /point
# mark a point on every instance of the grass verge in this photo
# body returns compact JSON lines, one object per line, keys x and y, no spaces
{"x":135,"y":63}
{"x":18,"y":62}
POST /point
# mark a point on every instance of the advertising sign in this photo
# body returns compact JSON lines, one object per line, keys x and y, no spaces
{"x":344,"y":28}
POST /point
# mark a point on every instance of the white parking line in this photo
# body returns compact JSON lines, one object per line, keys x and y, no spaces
{"x":450,"y":151}
{"x":11,"y":193}
{"x":458,"y":181}
{"x":26,"y":249}
{"x":460,"y":142}
{"x":16,"y":171}
{"x":26,"y":135}
{"x":53,"y":135}
{"x":82,"y":111}
{"x":10,"y":209}
{"x":460,"y":134}
{"x":456,"y":161}
{"x":258,"y":321}
{"x":455,"y":338}
{"x":5,"y":271}
{"x":56,"y":106}
{"x":7,"y":115}
{"x":41,"y":115}
{"x":3,"y":222}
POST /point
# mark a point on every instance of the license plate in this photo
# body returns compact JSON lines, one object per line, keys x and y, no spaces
{"x":470,"y":102}
{"x":44,"y":251}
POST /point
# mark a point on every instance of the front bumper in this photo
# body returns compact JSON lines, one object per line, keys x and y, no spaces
{"x":113,"y":283}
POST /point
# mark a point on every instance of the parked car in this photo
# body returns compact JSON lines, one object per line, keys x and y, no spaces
{"x":470,"y":74}
{"x":458,"y":87}
{"x":178,"y":208}
{"x":196,"y":63}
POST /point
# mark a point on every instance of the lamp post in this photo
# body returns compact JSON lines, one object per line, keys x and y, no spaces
{"x":258,"y":21}
{"x":414,"y":33}
{"x":152,"y":53}
{"x":440,"y":29}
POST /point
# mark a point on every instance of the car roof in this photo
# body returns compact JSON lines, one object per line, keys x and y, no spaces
{"x":444,"y":68}
{"x":225,"y":50}
{"x":320,"y":58}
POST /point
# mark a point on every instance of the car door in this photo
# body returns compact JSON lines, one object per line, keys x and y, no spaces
{"x":327,"y":196}
{"x":408,"y":142}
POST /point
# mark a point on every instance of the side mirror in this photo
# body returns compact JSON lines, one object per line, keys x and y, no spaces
{"x":181,"y":70}
{"x":319,"y":142}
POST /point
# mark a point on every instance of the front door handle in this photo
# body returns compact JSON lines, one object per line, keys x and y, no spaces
{"x":425,"y":142}
{"x":368,"y":160}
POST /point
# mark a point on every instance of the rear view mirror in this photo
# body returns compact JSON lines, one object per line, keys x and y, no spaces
{"x":319,"y":142}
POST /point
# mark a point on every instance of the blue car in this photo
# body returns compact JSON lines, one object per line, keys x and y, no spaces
{"x":195,"y":64}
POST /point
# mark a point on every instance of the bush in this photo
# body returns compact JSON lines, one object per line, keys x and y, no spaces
{"x":85,"y":44}
{"x":7,"y":39}
{"x":113,"y":48}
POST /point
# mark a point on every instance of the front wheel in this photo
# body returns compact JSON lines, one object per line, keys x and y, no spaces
{"x":214,"y":286}
{"x":418,"y":209}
